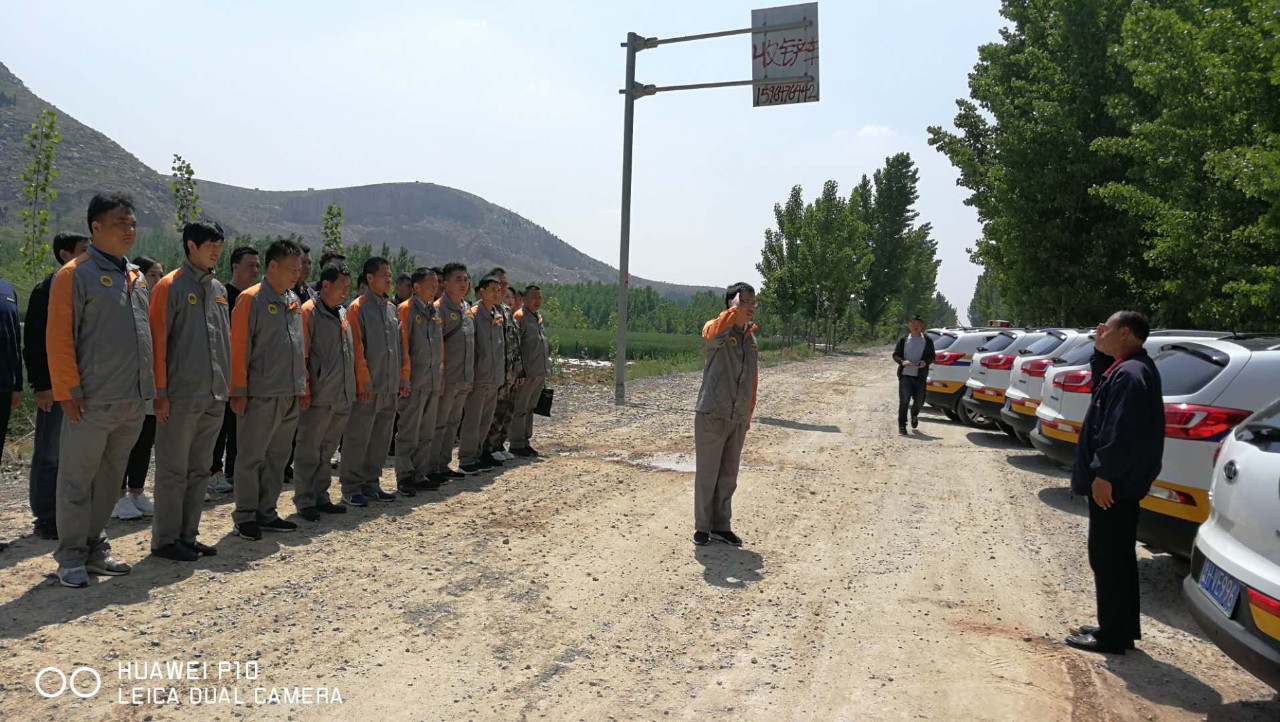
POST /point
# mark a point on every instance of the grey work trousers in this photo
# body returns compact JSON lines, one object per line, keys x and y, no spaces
{"x":264,"y":436}
{"x":93,"y":454}
{"x":415,"y":434}
{"x":526,"y":398}
{"x":183,"y":446}
{"x":448,"y":417}
{"x":320,"y":429}
{"x":718,"y":443}
{"x":365,"y":444}
{"x":476,"y":417}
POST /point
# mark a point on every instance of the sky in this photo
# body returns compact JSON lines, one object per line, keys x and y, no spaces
{"x":518,"y":102}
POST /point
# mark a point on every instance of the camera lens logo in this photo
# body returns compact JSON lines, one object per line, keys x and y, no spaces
{"x":83,"y":682}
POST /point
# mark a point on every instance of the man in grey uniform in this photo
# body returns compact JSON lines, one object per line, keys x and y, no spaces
{"x":191,"y":346}
{"x":375,"y":329}
{"x":99,"y":347}
{"x":505,"y":408}
{"x":536,"y":359}
{"x":268,"y":386}
{"x":491,"y":371}
{"x":726,"y":402}
{"x":331,"y":389}
{"x":421,"y":355}
{"x":458,"y":337}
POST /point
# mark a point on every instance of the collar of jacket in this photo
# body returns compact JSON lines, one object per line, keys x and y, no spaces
{"x":421,"y":307}
{"x":106,"y":261}
{"x":375,"y":298}
{"x":1121,"y":359}
{"x":205,"y":277}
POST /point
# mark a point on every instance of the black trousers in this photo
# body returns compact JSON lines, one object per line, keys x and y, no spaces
{"x":5,"y":413}
{"x":44,"y":466}
{"x":135,"y":473}
{"x":1113,"y":556}
{"x":226,"y":442}
{"x":910,"y":391}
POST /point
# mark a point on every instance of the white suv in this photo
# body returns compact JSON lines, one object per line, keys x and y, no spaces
{"x":1234,"y":586}
{"x":954,"y":353}
{"x":989,"y":374}
{"x":1063,"y":347}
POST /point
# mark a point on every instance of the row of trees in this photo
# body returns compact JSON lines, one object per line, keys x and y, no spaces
{"x":1126,"y":153}
{"x":842,"y":267}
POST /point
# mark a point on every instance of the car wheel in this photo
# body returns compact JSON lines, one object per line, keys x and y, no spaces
{"x":969,"y":418}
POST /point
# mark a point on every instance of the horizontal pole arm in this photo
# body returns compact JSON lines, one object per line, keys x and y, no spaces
{"x":642,"y":90}
{"x":646,"y":43}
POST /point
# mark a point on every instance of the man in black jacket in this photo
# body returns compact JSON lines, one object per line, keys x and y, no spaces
{"x":913,"y":356}
{"x":1117,"y":459}
{"x":44,"y":455}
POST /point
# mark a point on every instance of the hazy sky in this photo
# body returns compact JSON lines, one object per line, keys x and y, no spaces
{"x":517,"y":102}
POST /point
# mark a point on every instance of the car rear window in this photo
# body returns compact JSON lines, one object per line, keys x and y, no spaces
{"x":943,"y":341}
{"x":1269,"y":416}
{"x":1079,"y":355}
{"x":1046,"y":345}
{"x":1187,"y":369}
{"x":999,"y":343}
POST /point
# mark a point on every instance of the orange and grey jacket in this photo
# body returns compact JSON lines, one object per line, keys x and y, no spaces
{"x":375,"y":327}
{"x":98,"y":339}
{"x":191,"y":335}
{"x":458,"y":335}
{"x":533,"y":344}
{"x":730,"y":377}
{"x":268,"y":358}
{"x":421,"y":352}
{"x":331,"y":364}
{"x":491,"y":355}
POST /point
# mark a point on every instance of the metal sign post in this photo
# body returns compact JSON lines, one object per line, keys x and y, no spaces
{"x":784,"y":62}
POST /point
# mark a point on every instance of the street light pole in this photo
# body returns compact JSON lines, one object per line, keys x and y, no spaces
{"x":633,"y":45}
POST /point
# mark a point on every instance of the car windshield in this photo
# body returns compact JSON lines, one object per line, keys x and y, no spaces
{"x":943,"y":341}
{"x":1185,"y":370}
{"x":1046,"y":345}
{"x":1078,"y":356}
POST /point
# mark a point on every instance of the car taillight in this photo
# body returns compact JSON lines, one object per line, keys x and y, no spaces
{"x":946,"y":358}
{"x":1036,"y":369}
{"x":1076,"y":382}
{"x":999,"y":362}
{"x":1177,"y":497}
{"x":1264,"y":603}
{"x":1197,"y":423}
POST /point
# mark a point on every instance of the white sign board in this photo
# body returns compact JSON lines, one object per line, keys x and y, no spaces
{"x":784,"y":63}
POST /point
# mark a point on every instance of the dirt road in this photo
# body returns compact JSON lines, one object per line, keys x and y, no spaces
{"x":884,"y":578}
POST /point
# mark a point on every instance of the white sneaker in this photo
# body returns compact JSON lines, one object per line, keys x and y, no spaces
{"x":144,"y":504}
{"x":126,"y":509}
{"x":336,"y":461}
{"x":218,"y":483}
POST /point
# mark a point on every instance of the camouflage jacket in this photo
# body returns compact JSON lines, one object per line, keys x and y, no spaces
{"x":515,"y":366}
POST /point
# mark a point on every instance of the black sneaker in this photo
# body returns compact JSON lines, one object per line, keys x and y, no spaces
{"x":248,"y":530}
{"x":310,"y":513}
{"x":525,"y":453}
{"x":451,"y":474}
{"x":325,"y":507}
{"x":47,"y":531}
{"x":470,"y":469}
{"x":727,"y":537}
{"x":701,"y":538}
{"x":437,"y":479}
{"x":203,"y":550}
{"x":426,"y":484}
{"x":902,"y":431}
{"x":278,"y":524}
{"x":489,"y":461}
{"x":915,"y":422}
{"x":406,"y":488}
{"x":177,"y":552}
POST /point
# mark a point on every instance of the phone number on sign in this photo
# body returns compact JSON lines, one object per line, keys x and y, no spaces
{"x":786,"y":93}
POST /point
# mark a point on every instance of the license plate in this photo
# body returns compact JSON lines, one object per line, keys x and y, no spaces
{"x":1221,"y":587}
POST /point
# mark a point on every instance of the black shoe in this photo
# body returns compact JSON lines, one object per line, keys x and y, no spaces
{"x":488,"y":460}
{"x":470,"y":469}
{"x":451,"y":474}
{"x":1090,"y":643}
{"x":902,"y":431}
{"x":426,"y":484}
{"x":406,"y":488}
{"x":248,"y":530}
{"x":177,"y":552}
{"x":310,"y":513}
{"x":47,"y":531}
{"x":727,"y":537}
{"x":203,"y":550}
{"x":437,"y":479}
{"x":325,"y":507}
{"x":278,"y":524}
{"x":525,"y":453}
{"x":701,"y":538}
{"x":915,"y":422}
{"x":1092,"y":631}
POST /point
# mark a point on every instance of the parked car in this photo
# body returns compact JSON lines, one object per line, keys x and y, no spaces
{"x":1027,"y":380}
{"x":989,"y":373}
{"x":1210,"y":386}
{"x":946,"y":383}
{"x":1233,"y":589}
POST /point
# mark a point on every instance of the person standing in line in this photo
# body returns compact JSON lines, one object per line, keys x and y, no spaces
{"x":1119,"y":456}
{"x":495,"y":440}
{"x":245,"y":267}
{"x":404,"y":288}
{"x":726,"y":402}
{"x":536,"y":366}
{"x":421,"y":357}
{"x":375,"y":328}
{"x":133,"y":502}
{"x":44,"y":455}
{"x":490,"y":360}
{"x":191,"y":350}
{"x":304,"y":292}
{"x":99,"y":347}
{"x":913,"y":354}
{"x":331,"y":390}
{"x":458,"y":336}
{"x":268,"y":388}
{"x":10,"y":356}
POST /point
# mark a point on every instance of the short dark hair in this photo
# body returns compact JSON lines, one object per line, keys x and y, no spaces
{"x":403,"y":278}
{"x":330,"y":256}
{"x":516,"y":292}
{"x":915,"y":318}
{"x":331,"y":272}
{"x":420,"y":274}
{"x":66,"y":243}
{"x":497,"y":271}
{"x":200,"y":233}
{"x":282,"y":248}
{"x":145,"y":263}
{"x":306,"y":250}
{"x":104,"y":203}
{"x":1135,"y":322}
{"x":736,"y":289}
{"x":371,"y":267}
{"x":487,"y":281}
{"x":436,"y":270}
{"x":531,"y":287}
{"x":450,"y":269}
{"x":239,"y":253}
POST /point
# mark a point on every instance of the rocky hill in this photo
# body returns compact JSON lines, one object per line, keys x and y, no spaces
{"x":435,"y":222}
